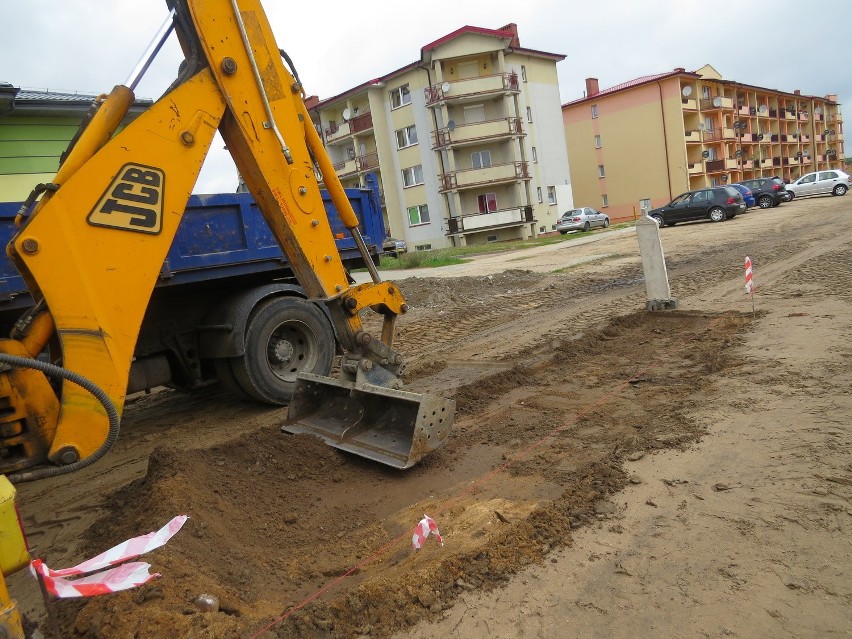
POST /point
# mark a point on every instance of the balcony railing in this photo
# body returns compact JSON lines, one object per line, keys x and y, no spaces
{"x":477,"y":132}
{"x":689,"y":104}
{"x":498,"y":173}
{"x":719,"y":102}
{"x":711,"y":135}
{"x":497,"y":83}
{"x":692,"y":136}
{"x":480,"y":221}
{"x":335,"y":132}
{"x":367,"y":161}
{"x":346,"y":167}
{"x":695,"y":167}
{"x":714,"y":166}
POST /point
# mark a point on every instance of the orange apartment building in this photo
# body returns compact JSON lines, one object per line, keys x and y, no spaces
{"x":639,"y":144}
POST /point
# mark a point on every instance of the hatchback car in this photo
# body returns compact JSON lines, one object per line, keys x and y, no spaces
{"x":748,"y":196}
{"x":394,"y":247}
{"x":715,"y":204}
{"x":821,"y":183}
{"x":581,"y":220}
{"x":768,"y":191}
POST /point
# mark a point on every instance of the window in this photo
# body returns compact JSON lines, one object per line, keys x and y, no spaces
{"x":534,"y":155}
{"x":551,"y":195}
{"x":543,"y":229}
{"x":597,"y":141}
{"x":529,"y":114}
{"x":490,"y":238}
{"x":418,"y":215}
{"x":400,"y":97}
{"x":705,"y":92}
{"x":406,"y":137}
{"x":594,"y":110}
{"x":422,"y":247}
{"x":538,"y":191}
{"x":601,"y":172}
{"x":480,"y":159}
{"x":412,"y":176}
{"x":487,"y":202}
{"x":523,"y":73}
{"x":604,"y":201}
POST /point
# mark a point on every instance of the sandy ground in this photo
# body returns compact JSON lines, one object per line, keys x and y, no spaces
{"x":611,"y":472}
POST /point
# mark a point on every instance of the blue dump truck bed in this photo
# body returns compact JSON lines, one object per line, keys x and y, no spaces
{"x":220,"y":236}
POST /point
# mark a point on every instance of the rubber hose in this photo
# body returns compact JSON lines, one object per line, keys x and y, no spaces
{"x":112,"y":414}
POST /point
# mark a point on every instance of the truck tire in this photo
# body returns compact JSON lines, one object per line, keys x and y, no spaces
{"x":284,"y":336}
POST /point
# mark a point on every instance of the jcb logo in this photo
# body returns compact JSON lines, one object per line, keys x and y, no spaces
{"x":133,"y":202}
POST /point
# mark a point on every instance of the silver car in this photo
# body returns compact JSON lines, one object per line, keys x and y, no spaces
{"x":821,"y":183}
{"x":581,"y":220}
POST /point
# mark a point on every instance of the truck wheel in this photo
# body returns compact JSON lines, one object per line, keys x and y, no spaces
{"x":284,"y":336}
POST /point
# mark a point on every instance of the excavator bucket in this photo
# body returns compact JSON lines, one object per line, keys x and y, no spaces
{"x":390,"y":426}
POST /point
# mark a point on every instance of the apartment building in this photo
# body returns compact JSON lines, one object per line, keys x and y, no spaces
{"x":467,"y":141}
{"x":639,"y":144}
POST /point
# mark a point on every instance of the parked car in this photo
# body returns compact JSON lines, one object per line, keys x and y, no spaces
{"x":581,"y":219}
{"x":394,"y":247}
{"x":821,"y":183}
{"x":768,"y":191}
{"x":715,"y":204}
{"x":748,"y":196}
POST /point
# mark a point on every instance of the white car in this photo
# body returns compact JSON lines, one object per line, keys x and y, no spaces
{"x":821,"y":183}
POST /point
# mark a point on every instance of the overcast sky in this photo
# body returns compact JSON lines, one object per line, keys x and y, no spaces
{"x":89,"y":46}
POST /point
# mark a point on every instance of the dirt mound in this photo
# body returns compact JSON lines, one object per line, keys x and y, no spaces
{"x":276,"y":518}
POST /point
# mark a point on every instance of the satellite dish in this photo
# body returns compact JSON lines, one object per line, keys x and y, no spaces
{"x":831,"y":132}
{"x":762,"y":108}
{"x":451,"y":125}
{"x":817,"y":110}
{"x":798,"y":154}
{"x":739,"y":153}
{"x":705,"y":154}
{"x":701,"y":127}
{"x":737,"y":124}
{"x":717,"y":102}
{"x":806,"y":153}
{"x":346,"y":114}
{"x":687,"y":91}
{"x":725,"y":178}
{"x":445,"y":87}
{"x":759,"y":136}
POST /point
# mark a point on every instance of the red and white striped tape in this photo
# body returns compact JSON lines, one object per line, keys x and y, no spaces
{"x":421,"y":532}
{"x":123,"y":577}
{"x":749,"y":283}
{"x":113,"y":580}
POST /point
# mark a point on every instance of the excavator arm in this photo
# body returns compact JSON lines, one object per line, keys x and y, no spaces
{"x":91,"y":250}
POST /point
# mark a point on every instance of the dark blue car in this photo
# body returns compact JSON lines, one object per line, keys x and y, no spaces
{"x":748,"y":196}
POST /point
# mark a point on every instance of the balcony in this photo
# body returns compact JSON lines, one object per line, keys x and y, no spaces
{"x":714,"y":104}
{"x":788,"y":115}
{"x":346,"y":168}
{"x":472,"y":89}
{"x":804,"y":116}
{"x":714,"y":166}
{"x":367,"y":162}
{"x":694,"y":168}
{"x":335,"y":132}
{"x":744,"y":110}
{"x":692,"y":136}
{"x":476,"y":132}
{"x":728,"y":134}
{"x":711,"y":135}
{"x":765,"y":163}
{"x":471,"y":178}
{"x":689,"y":104}
{"x":493,"y":219}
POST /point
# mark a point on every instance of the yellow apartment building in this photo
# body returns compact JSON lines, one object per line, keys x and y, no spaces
{"x":467,"y":141}
{"x":640,"y":144}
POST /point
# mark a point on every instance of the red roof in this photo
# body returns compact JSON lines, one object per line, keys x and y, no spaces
{"x":632,"y":83}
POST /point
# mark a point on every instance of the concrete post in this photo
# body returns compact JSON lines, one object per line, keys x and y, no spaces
{"x":653,"y":265}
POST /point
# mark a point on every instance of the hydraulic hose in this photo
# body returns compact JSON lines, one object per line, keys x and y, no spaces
{"x":52,"y":370}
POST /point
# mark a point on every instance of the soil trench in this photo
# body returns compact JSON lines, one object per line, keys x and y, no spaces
{"x":559,"y":383}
